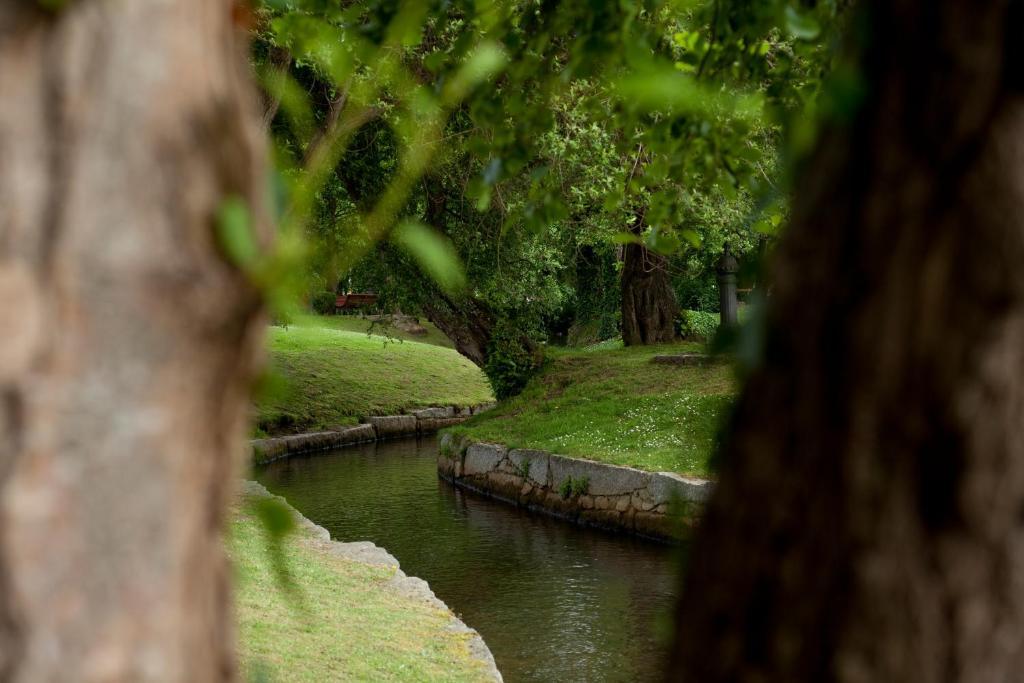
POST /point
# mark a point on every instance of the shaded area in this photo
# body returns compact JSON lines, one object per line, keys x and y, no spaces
{"x":553,"y":601}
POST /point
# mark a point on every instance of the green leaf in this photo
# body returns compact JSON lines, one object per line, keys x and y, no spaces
{"x":407,"y":26}
{"x":691,"y":236}
{"x":663,"y":87}
{"x":486,"y":61}
{"x":234,"y":233}
{"x":434,"y":253}
{"x":801,"y":26}
{"x":276,"y":518}
{"x":626,"y":238}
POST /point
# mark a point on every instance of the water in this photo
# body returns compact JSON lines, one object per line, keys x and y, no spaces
{"x":554,"y":601}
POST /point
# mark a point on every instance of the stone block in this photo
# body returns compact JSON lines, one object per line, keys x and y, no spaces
{"x":446,"y":443}
{"x":602,"y":479}
{"x":668,"y":486}
{"x":535,"y":461}
{"x":392,"y":425}
{"x":464,"y":411}
{"x":504,"y":484}
{"x":436,"y":412}
{"x":642,"y":501}
{"x":482,"y":458}
{"x":427,"y":425}
{"x":609,"y":518}
{"x":483,"y":407}
{"x":265,"y":450}
{"x":622,"y":504}
{"x":306,"y":443}
{"x":356,"y":434}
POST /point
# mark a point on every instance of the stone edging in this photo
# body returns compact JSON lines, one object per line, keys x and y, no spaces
{"x":660,"y":505}
{"x":408,"y":586}
{"x":372,"y":428}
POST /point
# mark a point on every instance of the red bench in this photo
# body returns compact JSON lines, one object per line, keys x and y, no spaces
{"x":350,"y":301}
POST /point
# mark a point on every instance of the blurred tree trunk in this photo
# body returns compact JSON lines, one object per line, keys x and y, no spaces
{"x":869,"y":520}
{"x":127,"y":339}
{"x":649,"y":305}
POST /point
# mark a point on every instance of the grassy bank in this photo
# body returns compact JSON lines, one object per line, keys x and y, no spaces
{"x":327,"y":372}
{"x":351,"y":625}
{"x":613,"y":404}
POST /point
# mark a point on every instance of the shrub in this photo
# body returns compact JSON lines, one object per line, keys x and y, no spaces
{"x":323,"y":302}
{"x":697,"y":325}
{"x":510,"y":365}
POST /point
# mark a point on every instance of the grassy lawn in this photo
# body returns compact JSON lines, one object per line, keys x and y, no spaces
{"x":327,"y":372}
{"x":354,"y":323}
{"x":350,"y":625}
{"x":612,"y":404}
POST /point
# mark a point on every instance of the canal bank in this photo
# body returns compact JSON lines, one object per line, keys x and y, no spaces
{"x":416,"y":422}
{"x":659,"y":505}
{"x":373,"y":621}
{"x":553,"y":601}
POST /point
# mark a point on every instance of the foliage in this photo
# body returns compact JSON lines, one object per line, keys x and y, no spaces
{"x":331,"y":376}
{"x":697,"y":325}
{"x":522,"y":138}
{"x":323,"y":302}
{"x":509,"y":364}
{"x":574,"y":487}
{"x":614,"y":405}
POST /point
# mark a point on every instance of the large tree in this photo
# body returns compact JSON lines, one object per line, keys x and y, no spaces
{"x":867,"y":524}
{"x":128,"y":335}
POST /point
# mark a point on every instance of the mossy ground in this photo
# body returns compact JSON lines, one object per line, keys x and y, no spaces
{"x":347,"y":624}
{"x":612,"y":404}
{"x":326,"y":372}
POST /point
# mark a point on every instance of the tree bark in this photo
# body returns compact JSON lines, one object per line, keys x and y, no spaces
{"x":649,"y":305}
{"x":868,"y":524}
{"x":128,"y":339}
{"x":467,"y":323}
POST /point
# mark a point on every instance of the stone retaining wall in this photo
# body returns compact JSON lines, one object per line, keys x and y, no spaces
{"x":372,"y":428}
{"x":661,"y":505}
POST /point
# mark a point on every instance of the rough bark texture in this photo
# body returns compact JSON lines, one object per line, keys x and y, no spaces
{"x":649,"y":305}
{"x":869,"y":520}
{"x":467,"y":323}
{"x":127,"y":339}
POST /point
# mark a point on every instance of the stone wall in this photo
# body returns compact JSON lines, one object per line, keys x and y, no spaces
{"x":661,"y":505}
{"x":371,"y":428}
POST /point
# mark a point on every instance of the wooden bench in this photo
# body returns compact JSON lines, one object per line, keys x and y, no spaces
{"x":348,"y":302}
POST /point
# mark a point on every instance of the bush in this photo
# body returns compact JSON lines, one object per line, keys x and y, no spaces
{"x":697,"y":325}
{"x":510,"y":365}
{"x":323,"y":302}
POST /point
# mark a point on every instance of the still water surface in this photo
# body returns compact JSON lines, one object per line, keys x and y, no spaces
{"x":555,"y":602}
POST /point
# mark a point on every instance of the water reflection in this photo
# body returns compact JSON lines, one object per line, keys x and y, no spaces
{"x":553,"y":601}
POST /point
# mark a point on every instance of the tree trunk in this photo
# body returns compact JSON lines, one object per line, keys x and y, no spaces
{"x":649,"y":305}
{"x":128,"y":340}
{"x":868,"y":524}
{"x":467,"y":323}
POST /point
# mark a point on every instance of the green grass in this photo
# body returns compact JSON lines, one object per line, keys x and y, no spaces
{"x":348,"y":625}
{"x":326,"y":376}
{"x":612,"y":404}
{"x":355,"y":323}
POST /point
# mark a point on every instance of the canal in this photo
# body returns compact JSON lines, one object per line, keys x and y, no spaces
{"x":554,"y":601}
